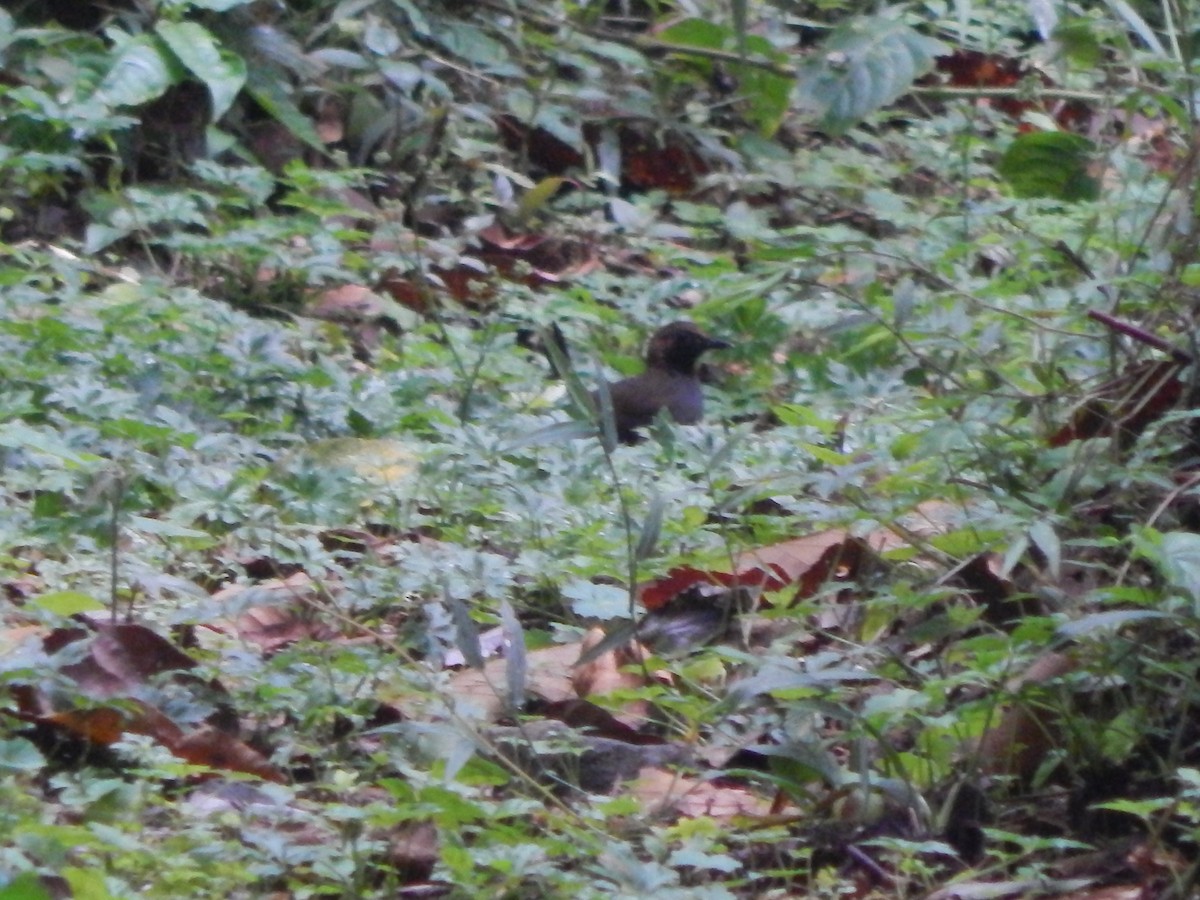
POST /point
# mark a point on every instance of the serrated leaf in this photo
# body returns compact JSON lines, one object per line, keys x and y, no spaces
{"x":862,"y":66}
{"x":223,"y":73}
{"x":1050,"y":164}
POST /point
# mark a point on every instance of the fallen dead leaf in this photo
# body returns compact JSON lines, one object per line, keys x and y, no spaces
{"x":693,"y":798}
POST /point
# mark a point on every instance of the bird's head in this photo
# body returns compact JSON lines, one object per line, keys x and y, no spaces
{"x":677,"y":346}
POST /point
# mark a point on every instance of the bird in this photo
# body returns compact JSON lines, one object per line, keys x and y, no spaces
{"x":670,"y":381}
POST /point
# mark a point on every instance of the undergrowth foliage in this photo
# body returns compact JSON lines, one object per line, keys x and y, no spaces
{"x":324,"y":574}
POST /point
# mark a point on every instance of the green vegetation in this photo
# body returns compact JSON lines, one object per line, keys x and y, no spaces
{"x":286,"y":471}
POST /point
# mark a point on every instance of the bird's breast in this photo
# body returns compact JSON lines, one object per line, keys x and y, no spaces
{"x":685,"y":402}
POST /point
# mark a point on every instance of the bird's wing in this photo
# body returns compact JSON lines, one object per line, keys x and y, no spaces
{"x":635,"y":401}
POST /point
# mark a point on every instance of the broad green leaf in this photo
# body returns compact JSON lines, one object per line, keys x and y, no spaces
{"x":800,"y":763}
{"x":165,"y":528}
{"x":651,"y":528}
{"x":19,"y":436}
{"x":19,"y":755}
{"x":216,"y":5}
{"x":86,"y":883}
{"x":466,"y":632}
{"x":1138,"y":25}
{"x":271,"y":95}
{"x":778,"y":676}
{"x":223,"y":73}
{"x":1050,"y":164}
{"x":597,"y":601}
{"x":766,"y":93}
{"x":416,"y":18}
{"x":1045,"y":538}
{"x":863,"y":66}
{"x":472,"y":44}
{"x":66,"y":603}
{"x":141,"y":72}
{"x":380,"y":37}
{"x":697,"y":33}
{"x":1179,"y":558}
{"x":1107,"y":621}
{"x":1079,"y":42}
{"x":538,"y":196}
{"x":25,"y":886}
{"x":558,"y":433}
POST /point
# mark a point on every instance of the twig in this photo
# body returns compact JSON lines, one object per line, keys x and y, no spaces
{"x":1142,"y":336}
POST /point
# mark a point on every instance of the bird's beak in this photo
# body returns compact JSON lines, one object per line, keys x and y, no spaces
{"x":713,"y":343}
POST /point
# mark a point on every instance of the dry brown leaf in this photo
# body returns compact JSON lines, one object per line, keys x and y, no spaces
{"x":1016,"y":745}
{"x":121,"y":662}
{"x":479,"y":694}
{"x":691,"y":797}
{"x":278,"y":622}
{"x":209,"y":746}
{"x":810,"y":561}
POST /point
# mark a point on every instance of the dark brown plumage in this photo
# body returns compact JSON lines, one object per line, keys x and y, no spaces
{"x":669,"y":381}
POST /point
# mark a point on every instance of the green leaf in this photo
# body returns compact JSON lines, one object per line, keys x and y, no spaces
{"x":19,"y":436}
{"x":218,"y":5}
{"x":1051,"y":164}
{"x":466,"y":632}
{"x":1079,"y":42}
{"x":269,"y":93}
{"x":766,"y":93}
{"x":538,"y":196}
{"x":223,"y":73}
{"x":1045,"y":538}
{"x":472,"y":44}
{"x":19,"y":755}
{"x":66,"y":603}
{"x":597,"y":601}
{"x":1179,"y":558}
{"x":26,"y":886}
{"x":697,"y":33}
{"x":862,"y":66}
{"x":141,"y":72}
{"x":558,"y":433}
{"x":651,"y":528}
{"x":1107,"y":621}
{"x":86,"y":883}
